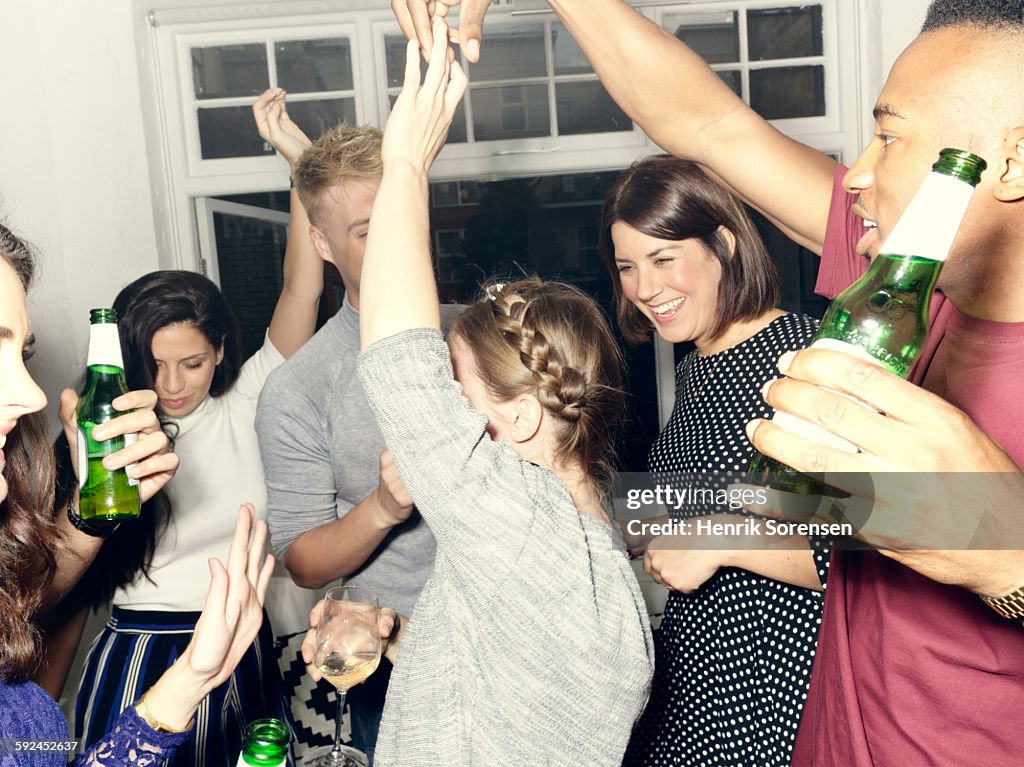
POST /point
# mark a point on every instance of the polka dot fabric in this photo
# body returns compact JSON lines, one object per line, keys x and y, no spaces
{"x":733,"y":660}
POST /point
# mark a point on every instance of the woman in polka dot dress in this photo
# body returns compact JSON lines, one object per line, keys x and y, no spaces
{"x":736,"y":644}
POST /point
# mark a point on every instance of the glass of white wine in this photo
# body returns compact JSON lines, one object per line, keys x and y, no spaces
{"x":347,"y":652}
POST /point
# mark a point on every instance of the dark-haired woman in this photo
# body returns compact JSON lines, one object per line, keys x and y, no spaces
{"x":35,"y":554}
{"x":179,"y":338}
{"x":735,"y":647}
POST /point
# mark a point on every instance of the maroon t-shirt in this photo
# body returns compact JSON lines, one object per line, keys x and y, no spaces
{"x":910,"y":672}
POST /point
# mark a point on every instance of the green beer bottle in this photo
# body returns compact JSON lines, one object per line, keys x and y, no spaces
{"x":265,"y":745}
{"x":106,"y":497}
{"x":883,"y":316}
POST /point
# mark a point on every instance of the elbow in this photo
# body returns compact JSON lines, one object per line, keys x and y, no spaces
{"x":301,"y":576}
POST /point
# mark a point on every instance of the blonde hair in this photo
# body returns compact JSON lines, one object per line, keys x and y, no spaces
{"x":343,"y":153}
{"x":552,"y":340}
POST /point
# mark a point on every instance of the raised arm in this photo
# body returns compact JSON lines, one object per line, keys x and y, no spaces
{"x":294,"y":317}
{"x":680,"y":103}
{"x":414,"y":135}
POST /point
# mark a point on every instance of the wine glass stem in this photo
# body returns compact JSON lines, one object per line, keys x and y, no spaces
{"x":336,"y":753}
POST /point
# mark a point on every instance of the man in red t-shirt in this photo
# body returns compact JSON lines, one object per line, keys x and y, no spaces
{"x":912,"y":667}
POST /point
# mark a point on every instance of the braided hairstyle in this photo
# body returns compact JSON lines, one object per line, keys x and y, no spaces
{"x":552,"y":340}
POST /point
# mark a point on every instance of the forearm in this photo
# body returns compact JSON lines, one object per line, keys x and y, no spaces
{"x":294,"y":319}
{"x":788,"y":560}
{"x":73,"y":558}
{"x":398,"y":244}
{"x":338,"y":549}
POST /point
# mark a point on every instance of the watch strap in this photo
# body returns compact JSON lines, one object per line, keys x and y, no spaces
{"x":85,"y":527}
{"x":1009,"y":606}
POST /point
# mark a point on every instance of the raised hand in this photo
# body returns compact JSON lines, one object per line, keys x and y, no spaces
{"x":419,"y":121}
{"x":415,"y":17}
{"x":155,"y":463}
{"x":234,"y":604}
{"x":276,"y":127}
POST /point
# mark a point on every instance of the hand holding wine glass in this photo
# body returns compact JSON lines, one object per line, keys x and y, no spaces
{"x":347,"y":651}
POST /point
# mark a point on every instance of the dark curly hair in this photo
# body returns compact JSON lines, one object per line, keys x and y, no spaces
{"x":1007,"y":15}
{"x":29,"y":537}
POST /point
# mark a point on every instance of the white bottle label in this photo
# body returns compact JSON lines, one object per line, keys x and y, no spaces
{"x":812,"y":431}
{"x":83,"y":460}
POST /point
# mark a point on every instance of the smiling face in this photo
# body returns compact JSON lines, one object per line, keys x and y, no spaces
{"x":19,"y":394}
{"x":946,"y":90}
{"x":340,"y":238}
{"x":675,"y":284}
{"x":185,"y":363}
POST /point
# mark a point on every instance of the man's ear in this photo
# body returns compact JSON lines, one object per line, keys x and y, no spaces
{"x":1009,"y":187}
{"x":529,"y":414}
{"x":320,"y":244}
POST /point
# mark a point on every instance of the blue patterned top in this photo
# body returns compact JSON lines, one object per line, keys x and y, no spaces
{"x":27,"y":711}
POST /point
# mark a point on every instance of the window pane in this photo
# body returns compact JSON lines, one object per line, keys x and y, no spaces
{"x":788,"y":92}
{"x":457,"y":131}
{"x":230,"y":70}
{"x":394,"y":59}
{"x":512,"y":111}
{"x":510,"y":53}
{"x":734,"y":80}
{"x":317,"y":117}
{"x":785,"y":33}
{"x":230,"y":132}
{"x":587,"y":108}
{"x":713,"y":36}
{"x":308,"y":66}
{"x":250,"y":254}
{"x":569,"y":57}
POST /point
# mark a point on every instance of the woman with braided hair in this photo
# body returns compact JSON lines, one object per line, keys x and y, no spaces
{"x":530,"y":643}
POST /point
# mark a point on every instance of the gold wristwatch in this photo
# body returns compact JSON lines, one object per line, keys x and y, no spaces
{"x":147,"y":716}
{"x":1009,"y":606}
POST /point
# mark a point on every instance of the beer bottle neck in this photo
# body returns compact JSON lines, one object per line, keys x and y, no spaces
{"x":929,"y":225}
{"x":104,"y":347}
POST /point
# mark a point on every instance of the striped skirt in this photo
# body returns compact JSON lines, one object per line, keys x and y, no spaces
{"x":136,"y":647}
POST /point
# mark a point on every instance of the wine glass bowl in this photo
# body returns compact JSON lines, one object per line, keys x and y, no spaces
{"x":347,"y":652}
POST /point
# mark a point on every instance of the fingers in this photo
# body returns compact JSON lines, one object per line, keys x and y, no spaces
{"x":264,"y":578}
{"x":68,"y":405}
{"x":437,"y":71}
{"x":866,"y":381}
{"x":414,"y":19}
{"x":471,"y":27}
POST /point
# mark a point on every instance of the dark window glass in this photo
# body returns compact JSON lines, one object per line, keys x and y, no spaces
{"x":785,"y":33}
{"x":317,"y":117}
{"x":587,"y":108}
{"x":510,"y":53}
{"x":229,"y":70}
{"x":569,"y":57}
{"x":715,"y":37}
{"x":511,"y":111}
{"x":230,"y":132}
{"x":784,"y":92}
{"x":310,"y":66}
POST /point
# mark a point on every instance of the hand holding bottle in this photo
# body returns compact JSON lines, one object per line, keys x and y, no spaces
{"x":155,"y":463}
{"x":944,"y":499}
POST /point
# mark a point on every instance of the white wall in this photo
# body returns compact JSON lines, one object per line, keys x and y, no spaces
{"x":73,"y":172}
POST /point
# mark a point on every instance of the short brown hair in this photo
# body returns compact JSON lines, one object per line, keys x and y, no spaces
{"x":344,"y":152}
{"x":672,"y":199}
{"x":552,"y":340}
